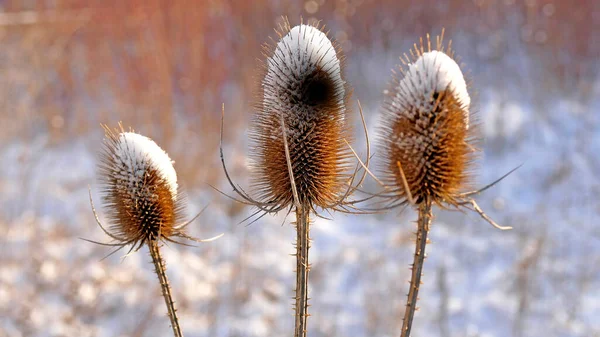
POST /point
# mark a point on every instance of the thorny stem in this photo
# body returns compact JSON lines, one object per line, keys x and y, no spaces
{"x":423,"y":224}
{"x":160,"y":268}
{"x":302,"y":269}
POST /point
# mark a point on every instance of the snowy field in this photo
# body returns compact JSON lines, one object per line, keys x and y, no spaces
{"x":540,"y":279}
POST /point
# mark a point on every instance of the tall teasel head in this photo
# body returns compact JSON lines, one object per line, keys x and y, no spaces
{"x":300,"y":137}
{"x":428,"y":130}
{"x":304,"y":98}
{"x":140,"y":191}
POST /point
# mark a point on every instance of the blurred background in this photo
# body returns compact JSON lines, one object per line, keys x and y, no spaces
{"x":164,"y":67}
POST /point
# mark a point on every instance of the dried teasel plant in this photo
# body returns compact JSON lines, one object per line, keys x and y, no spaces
{"x":301,"y":158}
{"x":428,"y":139}
{"x":143,"y":202}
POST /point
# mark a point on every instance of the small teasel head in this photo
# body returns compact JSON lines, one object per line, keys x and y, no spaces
{"x":304,"y":99}
{"x":140,"y":191}
{"x":427,"y":128}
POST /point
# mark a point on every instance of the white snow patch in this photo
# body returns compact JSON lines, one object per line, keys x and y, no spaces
{"x":138,"y":154}
{"x":304,"y":49}
{"x":503,"y":118}
{"x":514,"y":118}
{"x":87,"y":293}
{"x":4,"y":297}
{"x":433,"y":71}
{"x":48,"y":270}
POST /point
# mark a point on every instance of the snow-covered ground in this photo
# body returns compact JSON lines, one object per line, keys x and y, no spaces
{"x":540,"y":279}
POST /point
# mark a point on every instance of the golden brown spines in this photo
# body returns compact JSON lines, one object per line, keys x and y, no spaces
{"x":428,"y":134}
{"x":303,"y":85}
{"x":139,"y":188}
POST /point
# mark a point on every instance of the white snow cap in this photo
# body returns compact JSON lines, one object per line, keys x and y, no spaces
{"x":301,"y":51}
{"x":434,"y":71}
{"x":136,"y":154}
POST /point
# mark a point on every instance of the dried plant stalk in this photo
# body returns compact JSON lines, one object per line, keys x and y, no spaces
{"x":143,"y":200}
{"x":300,"y":137}
{"x":299,"y":132}
{"x":302,"y":269}
{"x":160,"y":269}
{"x":428,"y":137}
{"x":423,"y":225}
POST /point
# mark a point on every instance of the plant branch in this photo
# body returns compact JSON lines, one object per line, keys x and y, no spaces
{"x":160,"y":268}
{"x":302,"y":269}
{"x":423,"y":224}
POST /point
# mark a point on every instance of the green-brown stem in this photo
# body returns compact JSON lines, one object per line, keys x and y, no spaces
{"x":161,"y":272}
{"x":302,"y":269}
{"x":423,"y":224}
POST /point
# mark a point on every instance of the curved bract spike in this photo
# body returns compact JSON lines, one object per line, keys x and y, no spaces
{"x":185,"y":224}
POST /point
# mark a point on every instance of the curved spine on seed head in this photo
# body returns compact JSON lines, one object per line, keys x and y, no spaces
{"x":304,"y":97}
{"x":428,"y":132}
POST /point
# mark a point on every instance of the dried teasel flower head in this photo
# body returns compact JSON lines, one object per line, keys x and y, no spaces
{"x":300,"y":138}
{"x":143,"y":201}
{"x":426,"y":134}
{"x":304,"y":98}
{"x":140,"y":191}
{"x":428,"y":139}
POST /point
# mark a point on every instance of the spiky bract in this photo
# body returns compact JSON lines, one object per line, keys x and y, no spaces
{"x":428,"y":130}
{"x":303,"y":84}
{"x":140,"y":190}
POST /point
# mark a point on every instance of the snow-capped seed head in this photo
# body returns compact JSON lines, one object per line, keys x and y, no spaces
{"x":302,"y":84}
{"x":304,"y":70}
{"x":140,"y":188}
{"x":426,"y":133}
{"x":433,"y":71}
{"x":140,"y":154}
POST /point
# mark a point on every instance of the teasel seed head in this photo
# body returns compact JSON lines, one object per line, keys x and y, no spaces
{"x":140,"y":191}
{"x":428,"y":132}
{"x":304,"y":86}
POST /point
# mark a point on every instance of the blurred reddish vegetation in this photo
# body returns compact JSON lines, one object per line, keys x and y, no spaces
{"x":166,"y":66}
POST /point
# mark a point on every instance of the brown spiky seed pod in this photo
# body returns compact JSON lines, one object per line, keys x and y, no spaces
{"x":140,"y":191}
{"x":427,"y":135}
{"x":303,"y":85}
